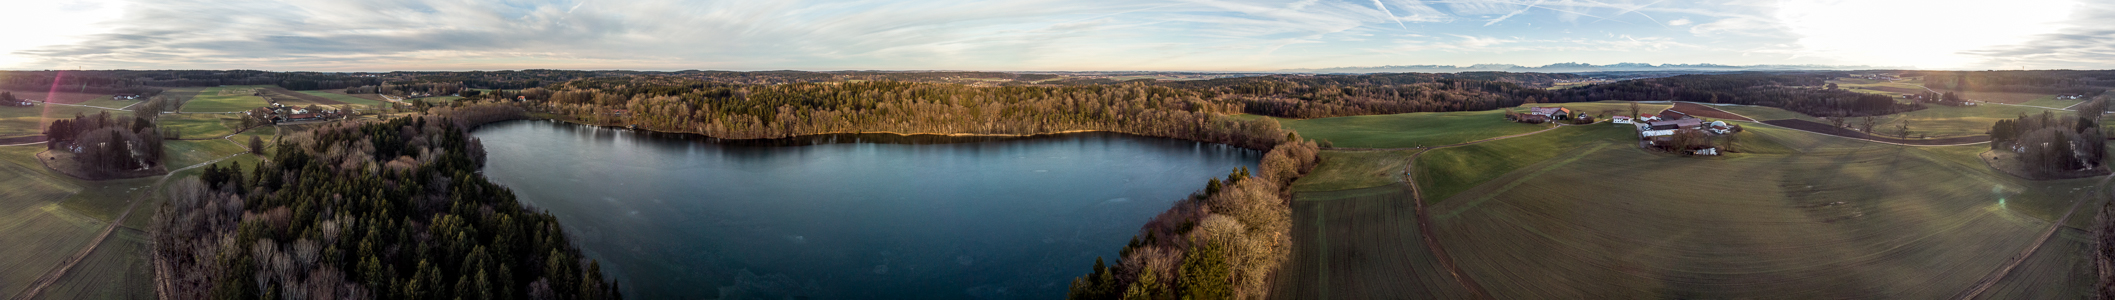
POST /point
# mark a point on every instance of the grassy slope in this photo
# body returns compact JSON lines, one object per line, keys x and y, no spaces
{"x":1600,"y":108}
{"x":1408,"y":130}
{"x":1343,"y":170}
{"x":198,"y":125}
{"x":117,"y":269}
{"x":1838,"y":221}
{"x":1444,"y":172}
{"x":1765,"y":113}
{"x":38,"y":232}
{"x":1954,"y":121}
{"x":2050,"y":101}
{"x":186,"y":153}
{"x":343,"y":98}
{"x":1361,"y":244}
{"x":224,"y":99}
{"x":1939,"y":121}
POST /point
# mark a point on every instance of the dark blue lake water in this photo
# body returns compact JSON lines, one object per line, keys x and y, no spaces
{"x":848,"y":216}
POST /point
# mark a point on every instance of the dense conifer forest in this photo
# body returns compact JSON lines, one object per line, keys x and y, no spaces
{"x":387,"y":210}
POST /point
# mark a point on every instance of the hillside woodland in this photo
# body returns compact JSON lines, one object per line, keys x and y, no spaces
{"x":367,"y":210}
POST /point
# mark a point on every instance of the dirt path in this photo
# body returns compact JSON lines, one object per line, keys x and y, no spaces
{"x":1424,"y":219}
{"x":37,"y":287}
{"x":1999,"y":274}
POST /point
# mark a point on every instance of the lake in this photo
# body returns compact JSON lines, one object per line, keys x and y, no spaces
{"x":848,"y":216}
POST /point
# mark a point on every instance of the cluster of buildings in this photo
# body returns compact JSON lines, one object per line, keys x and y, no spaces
{"x":125,"y":97}
{"x":1658,"y":128}
{"x":280,"y":113}
{"x":1548,"y":114}
{"x":2070,"y":97}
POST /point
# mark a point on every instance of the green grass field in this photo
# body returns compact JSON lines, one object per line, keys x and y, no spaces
{"x":1408,"y":130}
{"x":1361,"y":244}
{"x":199,"y":125}
{"x":2050,"y":101}
{"x":1953,"y":121}
{"x":225,"y":99}
{"x":1838,"y":219}
{"x":1765,"y":113}
{"x":105,"y":101}
{"x":37,"y":230}
{"x":1444,"y":172}
{"x":186,"y":153}
{"x":343,"y":98}
{"x":118,"y":269}
{"x":1343,"y":170}
{"x":1602,"y":108}
{"x":1938,"y":121}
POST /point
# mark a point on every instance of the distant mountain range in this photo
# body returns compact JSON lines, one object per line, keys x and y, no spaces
{"x":1572,"y":67}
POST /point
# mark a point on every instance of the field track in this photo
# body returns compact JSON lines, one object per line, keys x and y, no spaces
{"x":1424,"y":219}
{"x":42,"y":282}
{"x":1999,"y":274}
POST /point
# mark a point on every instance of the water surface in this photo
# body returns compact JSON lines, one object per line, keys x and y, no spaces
{"x":848,"y":216}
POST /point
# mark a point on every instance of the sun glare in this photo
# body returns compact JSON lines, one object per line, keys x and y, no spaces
{"x":54,"y":23}
{"x":1917,"y":33}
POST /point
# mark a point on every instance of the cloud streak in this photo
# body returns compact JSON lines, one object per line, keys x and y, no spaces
{"x":929,"y":34}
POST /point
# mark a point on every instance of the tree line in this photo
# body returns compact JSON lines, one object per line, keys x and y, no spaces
{"x":1223,"y":242}
{"x":2054,"y":146}
{"x":1799,"y":92}
{"x":2089,"y":83}
{"x":390,"y":209}
{"x":104,"y":146}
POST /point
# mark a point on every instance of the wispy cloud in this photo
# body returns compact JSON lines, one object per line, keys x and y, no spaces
{"x":928,"y":34}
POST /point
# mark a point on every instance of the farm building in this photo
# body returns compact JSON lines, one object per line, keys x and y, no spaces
{"x":1619,"y":119}
{"x":1688,"y":123}
{"x":1552,"y":113}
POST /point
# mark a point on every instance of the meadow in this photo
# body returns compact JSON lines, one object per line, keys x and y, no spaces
{"x":38,"y":230}
{"x":1430,"y":129}
{"x":232,"y":98}
{"x":1797,"y":215}
{"x":1408,"y":130}
{"x":343,"y":98}
{"x":1863,"y":222}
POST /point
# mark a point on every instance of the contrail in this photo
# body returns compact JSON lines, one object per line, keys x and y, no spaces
{"x":1391,"y":15}
{"x":1509,"y":16}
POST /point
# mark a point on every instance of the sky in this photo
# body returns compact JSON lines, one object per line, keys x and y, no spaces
{"x":1045,"y":35}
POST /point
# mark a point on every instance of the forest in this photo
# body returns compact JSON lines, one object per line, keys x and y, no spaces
{"x":2053,"y":146}
{"x":2089,"y":83}
{"x":1220,"y":243}
{"x":1799,"y":92}
{"x":392,"y":209}
{"x":102,"y":146}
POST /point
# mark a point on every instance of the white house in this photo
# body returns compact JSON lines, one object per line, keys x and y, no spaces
{"x":1620,"y":119}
